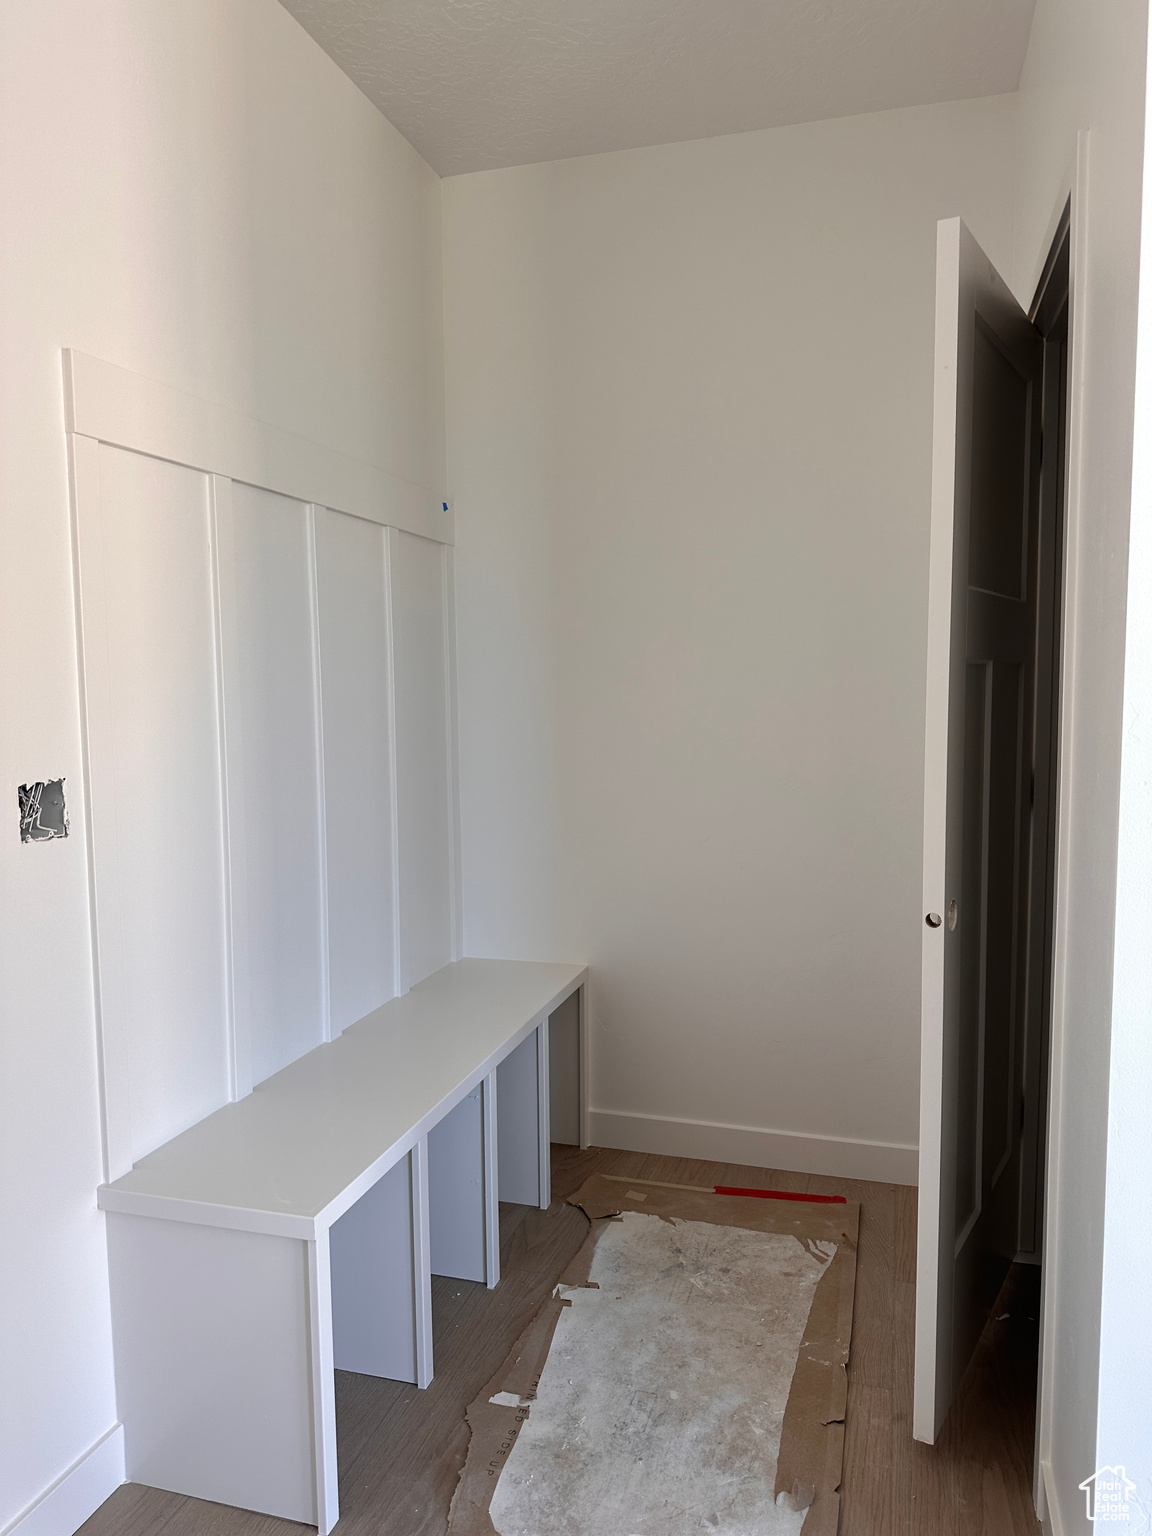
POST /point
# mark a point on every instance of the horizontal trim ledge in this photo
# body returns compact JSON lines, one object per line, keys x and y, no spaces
{"x":790,"y":1151}
{"x":126,"y":410}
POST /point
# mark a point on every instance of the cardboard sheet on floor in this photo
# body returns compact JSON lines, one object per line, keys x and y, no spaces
{"x":760,"y":1378}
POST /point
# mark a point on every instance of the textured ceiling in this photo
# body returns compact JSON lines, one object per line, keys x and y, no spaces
{"x":475,"y":84}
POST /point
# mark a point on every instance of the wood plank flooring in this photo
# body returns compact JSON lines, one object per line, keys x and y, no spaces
{"x":400,"y":1450}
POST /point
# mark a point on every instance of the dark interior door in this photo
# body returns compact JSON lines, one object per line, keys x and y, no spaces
{"x":978,"y":808}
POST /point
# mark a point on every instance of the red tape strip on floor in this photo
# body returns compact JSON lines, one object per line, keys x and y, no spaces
{"x":780,"y":1194}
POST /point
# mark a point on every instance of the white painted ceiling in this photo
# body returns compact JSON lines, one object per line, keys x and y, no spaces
{"x":475,"y":84}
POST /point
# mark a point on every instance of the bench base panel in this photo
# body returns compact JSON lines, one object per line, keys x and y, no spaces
{"x":213,"y":1341}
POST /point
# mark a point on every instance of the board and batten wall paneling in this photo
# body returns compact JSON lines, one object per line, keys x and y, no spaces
{"x":269,"y":700}
{"x":421,"y":659}
{"x":359,"y":772}
{"x":155,"y":796}
{"x":271,"y":704}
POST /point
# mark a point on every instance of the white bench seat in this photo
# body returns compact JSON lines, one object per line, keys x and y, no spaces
{"x":297,"y":1230}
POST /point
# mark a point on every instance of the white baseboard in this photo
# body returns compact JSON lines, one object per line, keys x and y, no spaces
{"x":842,"y":1158}
{"x":1050,"y":1518}
{"x":62,"y":1508}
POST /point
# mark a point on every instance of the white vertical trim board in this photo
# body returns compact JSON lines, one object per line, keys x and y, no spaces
{"x":585,"y":1028}
{"x":112,"y":1073}
{"x":456,"y":885}
{"x":232,"y":803}
{"x":114,"y":405}
{"x":311,"y":514}
{"x":543,"y":1115}
{"x":393,"y":764}
{"x":107,"y":966}
{"x":421,"y":1261}
{"x":1047,"y":1505}
{"x":491,"y":1186}
{"x":77,"y":1493}
{"x":882,"y":1162}
{"x":1123,"y":1430}
{"x":323,"y":1384}
{"x":232,"y":769}
{"x":1074,"y":539}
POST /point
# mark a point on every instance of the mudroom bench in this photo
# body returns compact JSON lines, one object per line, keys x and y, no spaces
{"x":296,"y":1231}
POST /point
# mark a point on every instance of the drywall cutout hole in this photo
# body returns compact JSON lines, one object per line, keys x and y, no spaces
{"x":43,"y":812}
{"x":953,"y":914}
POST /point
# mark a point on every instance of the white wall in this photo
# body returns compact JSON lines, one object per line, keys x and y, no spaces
{"x":1086,"y":70}
{"x":689,"y":405}
{"x":194,"y":191}
{"x":690,"y":410}
{"x":1124,"y":1427}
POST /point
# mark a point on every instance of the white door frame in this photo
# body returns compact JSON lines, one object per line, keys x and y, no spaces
{"x":1075,"y":189}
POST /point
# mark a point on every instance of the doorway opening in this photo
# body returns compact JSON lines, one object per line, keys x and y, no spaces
{"x":991,"y":778}
{"x":1001,"y":1350}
